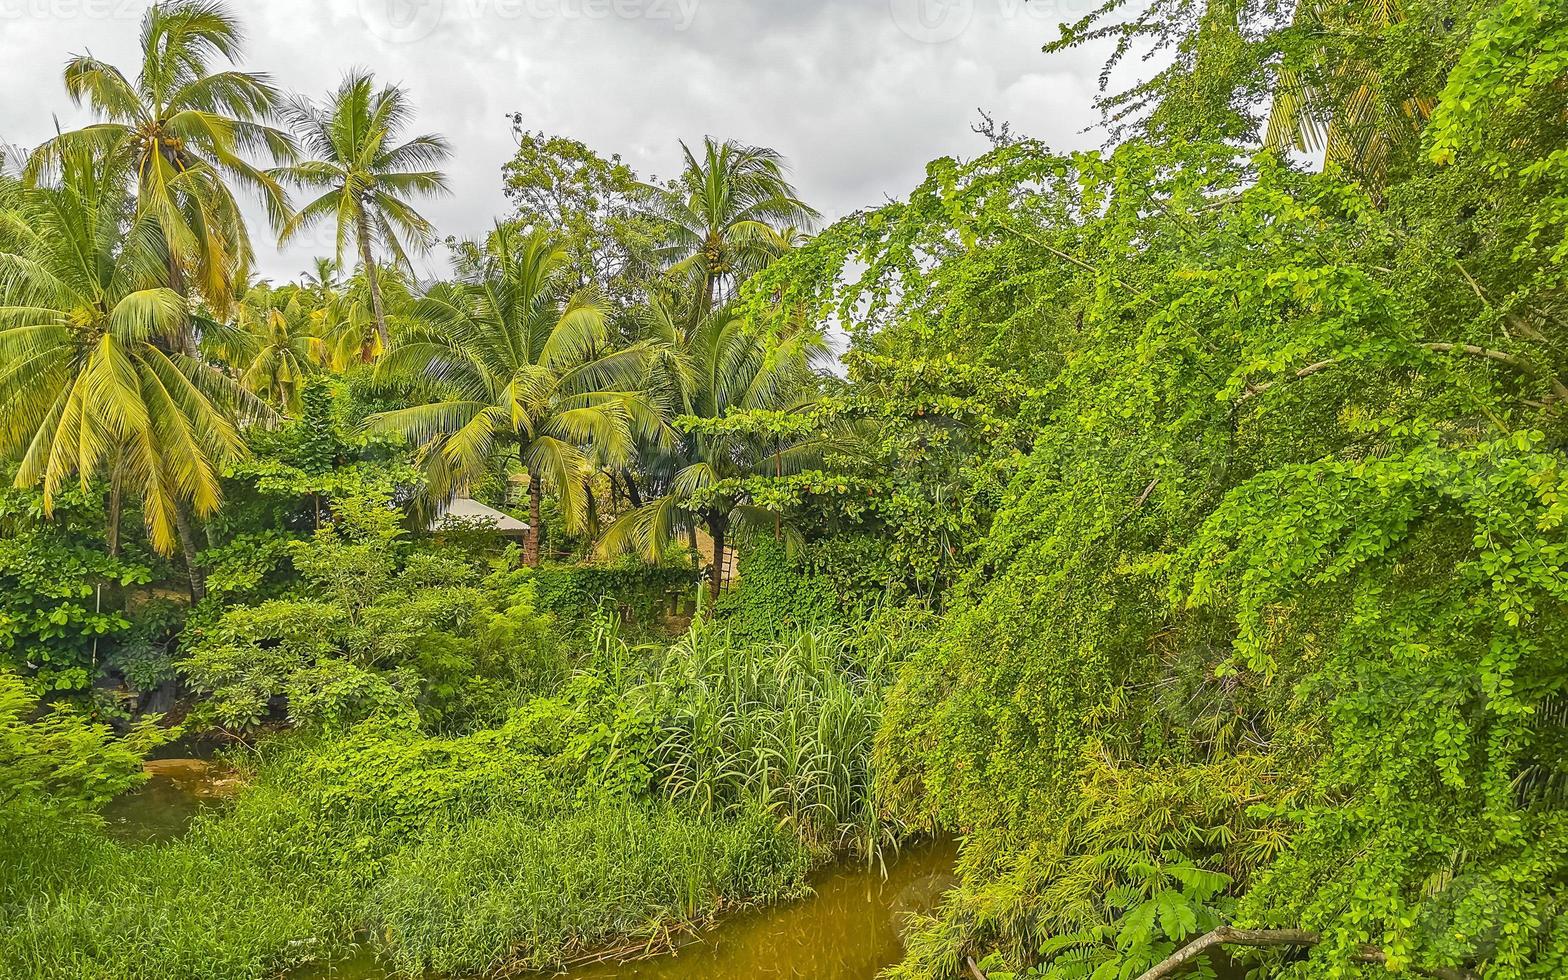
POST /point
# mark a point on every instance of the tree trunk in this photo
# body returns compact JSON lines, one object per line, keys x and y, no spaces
{"x":374,"y":279}
{"x":632,"y":492}
{"x":535,"y":522}
{"x":186,"y":341}
{"x":593,"y":510}
{"x":185,"y":525}
{"x":116,"y":505}
{"x":717,"y":527}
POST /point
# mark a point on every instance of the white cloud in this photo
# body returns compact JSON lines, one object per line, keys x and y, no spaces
{"x":846,"y":89}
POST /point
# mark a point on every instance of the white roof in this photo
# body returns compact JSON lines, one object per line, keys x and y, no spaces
{"x":466,"y":511}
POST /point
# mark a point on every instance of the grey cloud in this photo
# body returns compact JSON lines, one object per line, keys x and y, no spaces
{"x":845,"y":88}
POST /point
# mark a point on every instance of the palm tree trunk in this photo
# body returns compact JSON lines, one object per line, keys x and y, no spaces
{"x":116,"y":505}
{"x":374,"y":279}
{"x":632,"y":492}
{"x":535,"y":498}
{"x":717,"y":526}
{"x":186,"y":341}
{"x":186,"y":526}
{"x":593,"y":510}
{"x":111,"y":538}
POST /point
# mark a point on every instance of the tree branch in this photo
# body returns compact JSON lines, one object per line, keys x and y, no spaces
{"x":1274,"y":938}
{"x":1228,"y":936}
{"x":1559,"y":390}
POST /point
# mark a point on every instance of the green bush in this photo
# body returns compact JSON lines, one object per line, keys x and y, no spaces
{"x":776,"y":594}
{"x":638,"y":592}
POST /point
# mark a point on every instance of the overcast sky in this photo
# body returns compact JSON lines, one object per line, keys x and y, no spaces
{"x":858,"y":94}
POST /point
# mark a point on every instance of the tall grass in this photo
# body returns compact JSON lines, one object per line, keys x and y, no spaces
{"x":529,"y":895}
{"x":668,"y":786}
{"x":241,"y":896}
{"x":785,"y":726}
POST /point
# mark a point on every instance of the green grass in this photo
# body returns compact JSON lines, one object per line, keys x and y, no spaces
{"x":654,"y":791}
{"x":519,"y":893}
{"x":238,"y":897}
{"x":246,"y":894}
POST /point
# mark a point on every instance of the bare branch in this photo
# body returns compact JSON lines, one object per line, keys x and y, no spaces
{"x":1274,"y":938}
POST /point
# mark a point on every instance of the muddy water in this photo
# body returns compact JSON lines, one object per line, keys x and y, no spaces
{"x":848,"y":930}
{"x":163,"y":807}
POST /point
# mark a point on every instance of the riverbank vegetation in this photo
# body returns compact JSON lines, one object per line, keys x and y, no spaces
{"x":1178,"y":524}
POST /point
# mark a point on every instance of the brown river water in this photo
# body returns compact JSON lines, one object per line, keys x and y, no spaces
{"x":849,"y":929}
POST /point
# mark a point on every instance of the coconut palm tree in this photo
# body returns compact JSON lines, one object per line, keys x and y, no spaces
{"x":273,"y":344}
{"x":91,"y":384}
{"x":703,"y":376}
{"x":519,"y":370}
{"x":180,"y":134}
{"x":724,"y":217}
{"x":1330,"y":97}
{"x":365,"y":176}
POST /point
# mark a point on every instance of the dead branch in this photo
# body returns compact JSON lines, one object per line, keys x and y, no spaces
{"x":1274,"y":938}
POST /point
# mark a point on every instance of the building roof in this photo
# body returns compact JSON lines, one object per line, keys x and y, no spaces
{"x":465,"y":511}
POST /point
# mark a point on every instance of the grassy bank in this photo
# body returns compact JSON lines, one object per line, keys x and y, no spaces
{"x":653,"y":791}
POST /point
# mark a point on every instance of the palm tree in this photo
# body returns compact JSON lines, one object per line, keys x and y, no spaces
{"x":1330,"y":97}
{"x":365,"y":175}
{"x":273,"y":344}
{"x":519,"y":369}
{"x":724,"y":217}
{"x":90,"y":385}
{"x":703,"y":376}
{"x":180,"y":134}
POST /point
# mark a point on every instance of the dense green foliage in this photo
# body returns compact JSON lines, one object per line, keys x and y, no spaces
{"x":637,"y":798}
{"x":1183,"y":527}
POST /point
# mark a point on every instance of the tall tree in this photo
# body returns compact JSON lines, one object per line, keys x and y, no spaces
{"x":365,"y":175}
{"x":590,"y":203}
{"x":180,"y":134}
{"x":518,"y":367}
{"x":724,"y":217}
{"x":91,"y":383}
{"x":704,"y":376}
{"x":273,"y":343}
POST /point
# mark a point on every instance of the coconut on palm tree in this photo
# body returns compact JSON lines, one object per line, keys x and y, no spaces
{"x":518,"y":371}
{"x":92,"y":384}
{"x":180,"y":134}
{"x":365,"y":176}
{"x":725,"y":217}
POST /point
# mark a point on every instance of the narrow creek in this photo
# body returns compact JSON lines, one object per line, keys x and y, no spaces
{"x":161,"y":809}
{"x":849,"y":929}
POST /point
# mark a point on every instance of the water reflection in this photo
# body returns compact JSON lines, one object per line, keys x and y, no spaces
{"x":163,"y":807}
{"x":850,"y":930}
